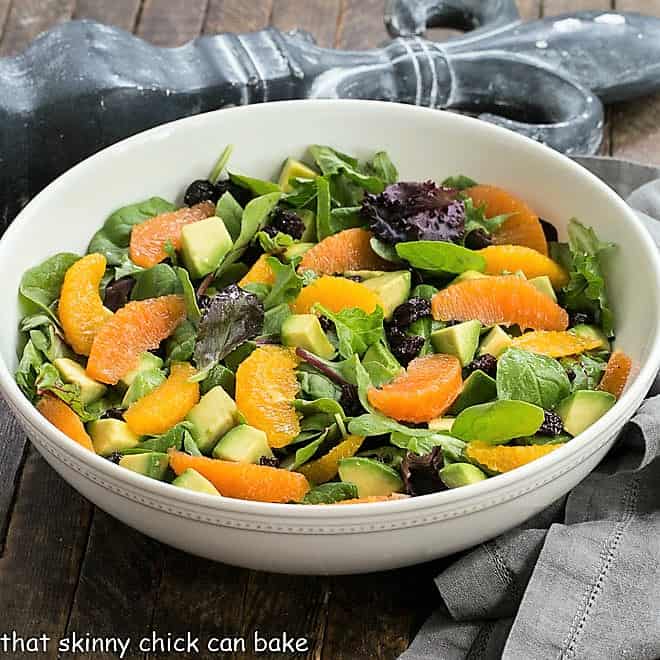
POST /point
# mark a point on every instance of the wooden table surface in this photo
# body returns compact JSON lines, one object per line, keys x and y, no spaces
{"x":67,"y":567}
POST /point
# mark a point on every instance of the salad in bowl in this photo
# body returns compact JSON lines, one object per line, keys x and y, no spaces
{"x":337,"y":336}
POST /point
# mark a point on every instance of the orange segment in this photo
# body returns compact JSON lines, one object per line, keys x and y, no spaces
{"x":165,"y":406}
{"x":148,"y":239}
{"x":521,"y":228}
{"x":511,"y":258}
{"x":348,"y":250}
{"x":502,"y":458}
{"x":260,"y":272}
{"x":335,"y":294}
{"x":555,"y":344}
{"x":81,"y":309}
{"x":616,"y":374}
{"x":244,"y":480}
{"x":325,"y":468}
{"x":266,"y":386}
{"x":61,"y":416}
{"x":425,"y":390}
{"x":504,"y":299}
{"x":137,"y":327}
{"x":373,"y":498}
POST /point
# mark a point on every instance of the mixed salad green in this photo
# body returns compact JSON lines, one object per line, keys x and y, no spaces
{"x":337,"y":335}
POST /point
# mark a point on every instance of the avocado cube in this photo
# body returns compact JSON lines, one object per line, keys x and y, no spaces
{"x":214,"y":415}
{"x":74,"y":373}
{"x":296,"y":250}
{"x":582,"y":408}
{"x":543,"y":284}
{"x":204,"y":245}
{"x":243,"y":444}
{"x":148,"y":362}
{"x":456,"y":475}
{"x":371,"y":477}
{"x":364,"y":274}
{"x":460,"y":340}
{"x":478,"y":387}
{"x":592,"y":332}
{"x":441,"y":424}
{"x":294,"y":169}
{"x":495,"y":342}
{"x":111,"y":435}
{"x":192,"y":480}
{"x":151,"y":464}
{"x":305,"y":331}
{"x":393,"y":289}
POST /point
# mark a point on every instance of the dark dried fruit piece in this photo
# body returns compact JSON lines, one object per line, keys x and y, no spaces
{"x":404,"y":347}
{"x":420,"y":473}
{"x":549,"y":230}
{"x":350,"y":401}
{"x":200,"y":190}
{"x":486,"y":363}
{"x":579,"y":318}
{"x":478,"y":239}
{"x":270,"y":461}
{"x":118,"y":292}
{"x":552,"y":424}
{"x":115,"y":457}
{"x":286,"y":222}
{"x":410,"y":311}
{"x":326,"y":324}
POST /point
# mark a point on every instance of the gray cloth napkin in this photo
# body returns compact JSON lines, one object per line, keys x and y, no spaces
{"x":580,"y":581}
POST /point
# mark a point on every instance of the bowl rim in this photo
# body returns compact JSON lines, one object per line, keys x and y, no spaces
{"x":486,"y":489}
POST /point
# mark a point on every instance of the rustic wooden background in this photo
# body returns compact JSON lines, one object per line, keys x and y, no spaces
{"x":66,"y":566}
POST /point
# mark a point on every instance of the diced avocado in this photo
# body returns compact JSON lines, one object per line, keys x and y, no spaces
{"x":296,"y":250}
{"x":74,"y":373}
{"x":203,"y":245}
{"x":364,"y":274}
{"x":456,"y":475}
{"x":148,"y":362}
{"x":460,"y":340}
{"x":380,"y":364}
{"x":193,"y":480}
{"x":495,"y":342}
{"x":582,"y":408}
{"x":441,"y":423}
{"x":478,"y":387}
{"x":243,"y":444}
{"x":543,"y":284}
{"x":111,"y":435}
{"x":212,"y":417}
{"x":292,"y":169}
{"x":143,"y":383}
{"x":151,"y":464}
{"x":392,"y":288}
{"x":305,"y":331}
{"x":468,"y":275}
{"x":371,"y":477}
{"x":592,"y":332}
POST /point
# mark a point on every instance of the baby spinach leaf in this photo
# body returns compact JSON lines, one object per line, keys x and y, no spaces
{"x":181,"y":345}
{"x":424,"y":444}
{"x":189,"y":295}
{"x":145,"y":382}
{"x":305,"y":453}
{"x":273,"y":319}
{"x":586,"y":370}
{"x":317,"y":386}
{"x":231,"y":275}
{"x":255,"y":186}
{"x":323,"y":205}
{"x":385,"y":250}
{"x":356,"y":330}
{"x":274,"y":244}
{"x":440,"y":256}
{"x":218,"y":375}
{"x":380,"y":364}
{"x":330,"y":493}
{"x":160,"y":280}
{"x":41,"y":284}
{"x":459,"y":182}
{"x":302,"y":194}
{"x":537,"y":379}
{"x":232,"y":317}
{"x":254,"y":220}
{"x":234,"y":359}
{"x":28,"y":370}
{"x":325,"y":405}
{"x":221,"y":163}
{"x":172,"y":439}
{"x":333,"y":162}
{"x":382,"y":167}
{"x":231,"y":213}
{"x":586,"y":289}
{"x":286,"y":286}
{"x":498,"y":422}
{"x":345,"y":217}
{"x":113,"y":238}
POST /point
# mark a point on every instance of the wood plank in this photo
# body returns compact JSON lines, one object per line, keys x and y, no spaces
{"x":319,"y":17}
{"x":120,"y":573}
{"x":377,"y":615}
{"x":529,"y":9}
{"x":237,"y":16}
{"x":636,"y":124}
{"x":45,"y":542}
{"x":4,"y":14}
{"x":361,"y":25}
{"x":171,"y":22}
{"x":555,"y":7}
{"x":201,"y":597}
{"x":121,"y":13}
{"x":28,"y":18}
{"x":12,"y":453}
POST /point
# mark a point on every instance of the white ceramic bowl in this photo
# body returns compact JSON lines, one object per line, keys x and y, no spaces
{"x":424,"y":144}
